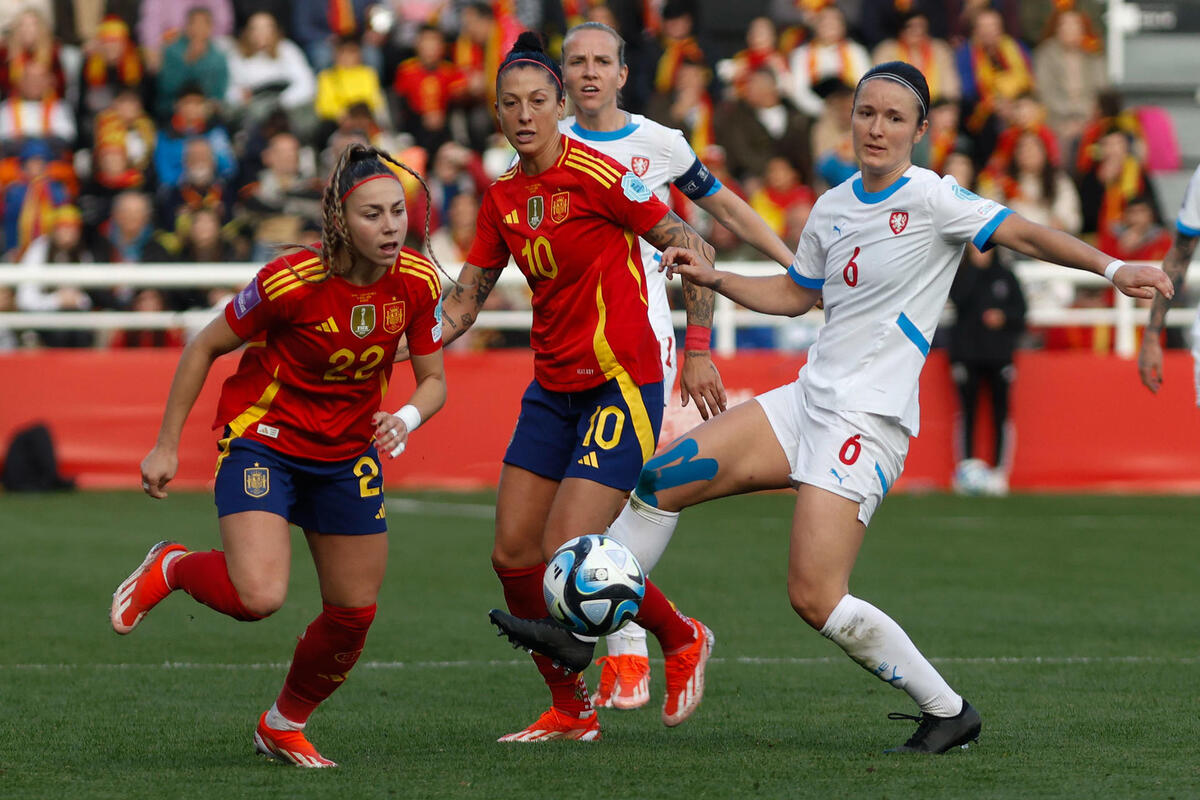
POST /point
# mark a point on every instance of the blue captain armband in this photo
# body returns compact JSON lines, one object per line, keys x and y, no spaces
{"x":804,"y":280}
{"x":697,"y":182}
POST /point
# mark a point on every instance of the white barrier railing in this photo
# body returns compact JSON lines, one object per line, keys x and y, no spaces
{"x":1124,"y":315}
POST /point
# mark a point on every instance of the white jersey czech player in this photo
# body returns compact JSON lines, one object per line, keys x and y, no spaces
{"x":660,"y":156}
{"x":1188,"y":224}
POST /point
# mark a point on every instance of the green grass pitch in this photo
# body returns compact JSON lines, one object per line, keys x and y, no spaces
{"x":1070,"y":622}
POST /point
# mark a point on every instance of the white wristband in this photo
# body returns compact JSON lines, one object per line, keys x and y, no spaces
{"x":1110,"y":271}
{"x":410,"y":416}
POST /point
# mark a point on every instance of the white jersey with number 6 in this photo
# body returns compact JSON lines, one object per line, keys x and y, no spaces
{"x":884,"y":262}
{"x":659,"y":156}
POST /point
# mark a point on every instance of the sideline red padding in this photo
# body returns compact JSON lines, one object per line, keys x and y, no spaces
{"x":1083,"y":422}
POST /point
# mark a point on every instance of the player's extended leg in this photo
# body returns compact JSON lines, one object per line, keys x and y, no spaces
{"x":350,"y":570}
{"x":522,"y":508}
{"x":247,"y":580}
{"x":826,"y":536}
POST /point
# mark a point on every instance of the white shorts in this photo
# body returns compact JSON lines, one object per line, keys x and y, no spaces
{"x":670,"y":363}
{"x":851,"y":453}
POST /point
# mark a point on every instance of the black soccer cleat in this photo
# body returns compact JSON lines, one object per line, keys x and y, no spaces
{"x":939,"y":734}
{"x":545,"y":637}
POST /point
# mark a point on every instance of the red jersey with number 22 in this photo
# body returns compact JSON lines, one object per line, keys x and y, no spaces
{"x":320,"y":352}
{"x":573,"y":231}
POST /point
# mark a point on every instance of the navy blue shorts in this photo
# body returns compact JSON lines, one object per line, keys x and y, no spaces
{"x":604,"y":434}
{"x":343,"y":497}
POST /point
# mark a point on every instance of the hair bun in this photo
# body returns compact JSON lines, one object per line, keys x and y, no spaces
{"x":529,"y":41}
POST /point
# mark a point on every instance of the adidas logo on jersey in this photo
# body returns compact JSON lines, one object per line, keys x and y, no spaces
{"x":512,"y":218}
{"x":328,"y":326}
{"x":589,"y":460}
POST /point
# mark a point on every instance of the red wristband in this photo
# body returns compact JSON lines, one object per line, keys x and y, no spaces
{"x":697,"y":337}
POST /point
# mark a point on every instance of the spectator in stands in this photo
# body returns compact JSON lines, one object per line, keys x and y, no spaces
{"x":161,"y":22}
{"x":199,"y":187}
{"x":678,"y":42}
{"x":127,"y":232}
{"x":124,"y":123}
{"x":346,"y":83}
{"x":148,"y":299}
{"x":1031,"y":185}
{"x":1139,"y":235}
{"x":941,"y":139}
{"x":880,"y":20}
{"x":1109,"y":115}
{"x":200,"y":242}
{"x":780,"y":190}
{"x":35,"y":112}
{"x":761,"y":125}
{"x":318,"y":24}
{"x":451,"y":242}
{"x":111,"y":175}
{"x":193,"y":118}
{"x":484,"y":37}
{"x":427,"y":85}
{"x":761,"y":51}
{"x":914,"y":45}
{"x":830,"y":54}
{"x":268,"y":71}
{"x":832,"y":148}
{"x":30,"y":201}
{"x":990,"y":317}
{"x":62,"y":245}
{"x":8,"y":303}
{"x":994,"y":69}
{"x":456,"y":170}
{"x":1070,"y":73}
{"x":1026,"y":115}
{"x":191,"y":61}
{"x":281,"y":198}
{"x":688,"y":106}
{"x":1115,"y":179}
{"x":111,"y":65}
{"x":30,"y":41}
{"x":960,"y":165}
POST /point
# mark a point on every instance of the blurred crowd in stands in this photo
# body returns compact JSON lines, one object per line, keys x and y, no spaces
{"x":196,"y":131}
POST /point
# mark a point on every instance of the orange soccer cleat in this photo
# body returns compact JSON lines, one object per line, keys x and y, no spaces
{"x":290,"y":747}
{"x":685,"y":676}
{"x":624,"y":682}
{"x":554,"y":724}
{"x":142,"y":590}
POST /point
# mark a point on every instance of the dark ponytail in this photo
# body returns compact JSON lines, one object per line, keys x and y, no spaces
{"x":528,"y":50}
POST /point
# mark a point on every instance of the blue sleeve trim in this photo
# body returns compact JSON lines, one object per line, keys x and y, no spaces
{"x":696,"y":181}
{"x":1191,"y":233}
{"x":717,"y":186}
{"x":913,"y":333}
{"x":882,"y":479}
{"x":805,"y":281}
{"x":982,"y":239}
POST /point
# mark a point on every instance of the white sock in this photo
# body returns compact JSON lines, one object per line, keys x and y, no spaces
{"x":881,"y":647}
{"x":278,"y":722}
{"x":629,"y":641}
{"x":166,"y":562}
{"x":645,"y":530}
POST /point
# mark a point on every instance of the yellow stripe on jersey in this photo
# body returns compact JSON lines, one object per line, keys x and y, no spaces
{"x":629,"y":390}
{"x":304,"y":267}
{"x":511,"y":172}
{"x":602,"y":166}
{"x":424,"y":275}
{"x":248,"y":417}
{"x":631,"y":242}
{"x":301,"y":278}
{"x":587,"y":169}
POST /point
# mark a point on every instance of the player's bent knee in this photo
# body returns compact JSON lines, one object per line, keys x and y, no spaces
{"x":516,"y":556}
{"x":813,"y":603}
{"x":261,"y":602}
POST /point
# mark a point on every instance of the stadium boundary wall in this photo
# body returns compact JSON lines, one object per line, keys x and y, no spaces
{"x":1083,"y":422}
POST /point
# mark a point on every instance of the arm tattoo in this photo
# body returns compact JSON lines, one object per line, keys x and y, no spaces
{"x":461,"y":301}
{"x":671,"y":231}
{"x":1175,"y":264}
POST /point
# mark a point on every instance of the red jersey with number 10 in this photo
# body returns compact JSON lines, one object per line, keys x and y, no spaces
{"x":320,"y":352}
{"x":573,"y":231}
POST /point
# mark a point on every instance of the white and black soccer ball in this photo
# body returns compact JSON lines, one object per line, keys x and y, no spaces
{"x":593,"y":585}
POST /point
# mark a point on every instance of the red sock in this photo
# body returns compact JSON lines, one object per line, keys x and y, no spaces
{"x":205,"y":577}
{"x":659,"y":616}
{"x":324,"y":657}
{"x":523,"y":595}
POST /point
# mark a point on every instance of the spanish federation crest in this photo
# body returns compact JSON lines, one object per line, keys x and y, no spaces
{"x":639,"y":165}
{"x":362,"y":320}
{"x":560,"y":206}
{"x":256,"y":481}
{"x":898,"y":221}
{"x":535,"y":211}
{"x":393,"y":316}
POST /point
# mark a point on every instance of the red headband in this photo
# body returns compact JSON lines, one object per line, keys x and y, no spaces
{"x":369,"y":178}
{"x":539,"y":63}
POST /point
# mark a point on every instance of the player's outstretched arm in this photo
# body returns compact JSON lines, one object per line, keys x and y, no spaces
{"x":1175,"y":264}
{"x":429,"y":395}
{"x":1047,"y":244}
{"x":461,"y":301}
{"x":745,"y":223}
{"x":698,"y":376}
{"x":773,"y":294}
{"x":160,"y":464}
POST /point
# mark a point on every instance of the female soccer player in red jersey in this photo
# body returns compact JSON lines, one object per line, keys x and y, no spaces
{"x":571,"y":218}
{"x":321,"y":328}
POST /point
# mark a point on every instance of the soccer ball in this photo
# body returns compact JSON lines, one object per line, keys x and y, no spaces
{"x":972,"y":477}
{"x":593,"y":585}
